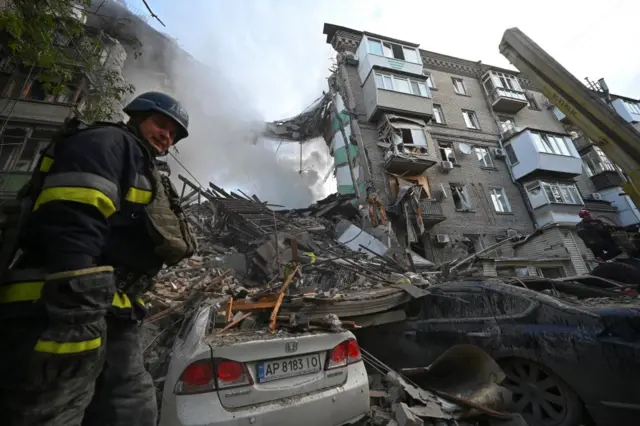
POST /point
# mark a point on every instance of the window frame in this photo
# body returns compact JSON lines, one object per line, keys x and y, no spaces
{"x":500,"y":191}
{"x":431,"y":84}
{"x":545,"y":143}
{"x":455,"y":87}
{"x":447,"y":146}
{"x":508,"y":148}
{"x":438,"y":107}
{"x":463,"y":194}
{"x":558,"y":191}
{"x":379,"y":77}
{"x":388,"y":45}
{"x":470,"y":116}
{"x":481,"y":161}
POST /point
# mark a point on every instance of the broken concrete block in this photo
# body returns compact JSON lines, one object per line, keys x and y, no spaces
{"x":379,"y":417}
{"x":405,"y":417}
{"x":248,"y":323}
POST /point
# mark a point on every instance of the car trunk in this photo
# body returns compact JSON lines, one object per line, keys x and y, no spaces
{"x":280,"y":366}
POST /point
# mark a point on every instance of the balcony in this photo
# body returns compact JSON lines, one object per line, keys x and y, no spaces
{"x":36,"y":111}
{"x":602,"y":172}
{"x":628,"y":110}
{"x":599,"y":206}
{"x":396,"y":93}
{"x":505,"y":92}
{"x":431,"y":212}
{"x":393,"y":55}
{"x":533,"y":153}
{"x":408,"y":163}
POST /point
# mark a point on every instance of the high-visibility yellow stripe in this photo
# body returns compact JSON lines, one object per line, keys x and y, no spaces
{"x":46,"y":164}
{"x":141,"y":302}
{"x":121,"y":301}
{"x":51,"y":347}
{"x":89,"y":196}
{"x":30,"y":292}
{"x":140,"y":196}
{"x":21,"y":292}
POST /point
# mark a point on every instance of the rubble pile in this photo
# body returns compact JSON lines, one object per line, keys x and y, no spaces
{"x":269,"y":270}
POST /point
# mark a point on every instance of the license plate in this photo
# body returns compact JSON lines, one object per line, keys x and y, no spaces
{"x":288,"y":367}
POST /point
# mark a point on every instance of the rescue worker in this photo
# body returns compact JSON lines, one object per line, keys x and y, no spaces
{"x":597,"y":236}
{"x":101,"y":223}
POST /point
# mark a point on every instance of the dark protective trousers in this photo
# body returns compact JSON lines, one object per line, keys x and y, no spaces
{"x":108,"y":386}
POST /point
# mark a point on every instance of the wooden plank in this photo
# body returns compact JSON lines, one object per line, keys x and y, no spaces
{"x":283,"y":290}
{"x":235,"y":322}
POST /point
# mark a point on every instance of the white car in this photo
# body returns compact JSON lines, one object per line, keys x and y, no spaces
{"x":257,"y":378}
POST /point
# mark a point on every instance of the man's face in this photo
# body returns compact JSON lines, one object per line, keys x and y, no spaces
{"x":160,"y":131}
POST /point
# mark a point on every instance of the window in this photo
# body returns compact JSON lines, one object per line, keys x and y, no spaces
{"x":498,"y":84}
{"x":22,"y":147}
{"x":533,"y":104}
{"x":414,"y":137}
{"x":430,"y":83}
{"x":555,"y":272}
{"x":438,"y":115}
{"x":446,"y":152}
{"x":596,"y":162}
{"x":483,"y":156}
{"x":541,"y":193}
{"x":499,"y":200}
{"x":511,"y":154}
{"x":633,"y":107}
{"x":507,"y":123}
{"x":35,"y":91}
{"x":392,"y":50}
{"x":552,"y":144}
{"x":460,"y":196}
{"x":470,"y":119}
{"x":402,"y":84}
{"x":458,"y":86}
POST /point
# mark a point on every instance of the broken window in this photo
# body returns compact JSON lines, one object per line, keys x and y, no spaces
{"x":470,"y":119}
{"x":446,"y":152}
{"x":553,"y":192}
{"x":438,"y":115}
{"x":460,"y":196}
{"x":458,"y":86}
{"x":499,"y":200}
{"x":393,"y":50}
{"x":596,"y":161}
{"x":404,"y":135}
{"x":483,"y":156}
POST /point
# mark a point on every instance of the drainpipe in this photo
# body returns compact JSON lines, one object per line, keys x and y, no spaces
{"x":347,"y":142}
{"x":519,"y":185}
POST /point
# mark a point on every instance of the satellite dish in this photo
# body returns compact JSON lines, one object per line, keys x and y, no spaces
{"x":464,"y":148}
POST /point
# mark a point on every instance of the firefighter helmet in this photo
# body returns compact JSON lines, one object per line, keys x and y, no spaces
{"x":164,"y":104}
{"x":584,"y":213}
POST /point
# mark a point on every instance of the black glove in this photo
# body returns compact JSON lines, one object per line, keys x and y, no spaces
{"x":76,"y":303}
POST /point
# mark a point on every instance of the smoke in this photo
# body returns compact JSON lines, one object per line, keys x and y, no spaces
{"x":225,"y":144}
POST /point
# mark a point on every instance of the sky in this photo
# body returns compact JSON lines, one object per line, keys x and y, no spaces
{"x":274,"y":51}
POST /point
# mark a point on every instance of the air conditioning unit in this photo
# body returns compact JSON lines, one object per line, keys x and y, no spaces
{"x":511,"y":233}
{"x":446,"y":166}
{"x":596,"y":196}
{"x":442,"y":239}
{"x":499,"y":153}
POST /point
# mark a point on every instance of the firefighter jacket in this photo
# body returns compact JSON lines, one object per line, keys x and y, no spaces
{"x":97,"y":200}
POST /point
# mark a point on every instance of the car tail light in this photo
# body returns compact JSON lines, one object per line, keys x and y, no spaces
{"x":196,"y":378}
{"x":347,"y":352}
{"x":231,"y":374}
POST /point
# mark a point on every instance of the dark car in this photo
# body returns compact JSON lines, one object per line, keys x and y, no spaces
{"x":567,"y":360}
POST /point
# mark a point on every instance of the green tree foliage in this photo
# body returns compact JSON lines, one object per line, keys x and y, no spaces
{"x":52,"y":37}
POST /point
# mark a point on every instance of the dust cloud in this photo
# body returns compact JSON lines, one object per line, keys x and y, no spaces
{"x":225,"y":145}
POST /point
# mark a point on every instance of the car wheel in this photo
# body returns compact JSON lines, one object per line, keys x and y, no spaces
{"x":540,"y":396}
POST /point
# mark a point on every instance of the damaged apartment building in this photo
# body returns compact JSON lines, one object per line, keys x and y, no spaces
{"x":463,"y":155}
{"x":29,"y":115}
